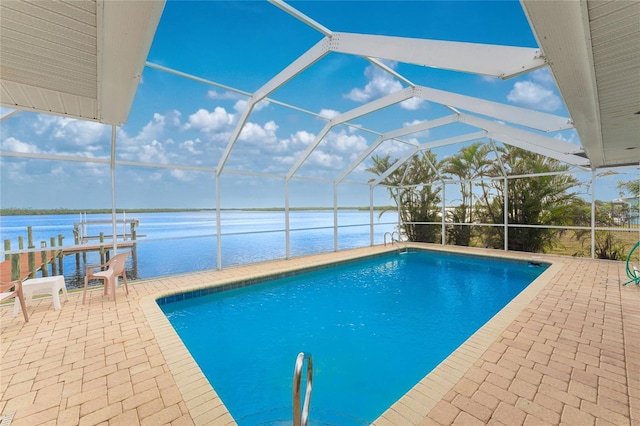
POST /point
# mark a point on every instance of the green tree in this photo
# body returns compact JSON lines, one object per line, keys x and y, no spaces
{"x":606,"y":244}
{"x":632,"y":210}
{"x":541,"y":200}
{"x":469,"y":163}
{"x":419,"y":198}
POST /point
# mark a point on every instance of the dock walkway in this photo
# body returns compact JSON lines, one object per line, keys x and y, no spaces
{"x":25,"y":271}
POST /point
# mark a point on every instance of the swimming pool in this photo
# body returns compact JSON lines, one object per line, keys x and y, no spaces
{"x":375,"y":327}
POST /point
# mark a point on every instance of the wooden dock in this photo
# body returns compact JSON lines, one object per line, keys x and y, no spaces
{"x":95,"y":247}
{"x":25,"y":271}
{"x":47,"y":256}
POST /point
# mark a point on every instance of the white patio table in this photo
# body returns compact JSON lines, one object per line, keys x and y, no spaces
{"x":44,"y":285}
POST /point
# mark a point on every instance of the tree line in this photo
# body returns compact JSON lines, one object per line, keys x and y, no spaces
{"x":551,"y":198}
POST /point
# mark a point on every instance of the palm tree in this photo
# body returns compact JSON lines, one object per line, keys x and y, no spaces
{"x":418,"y":198}
{"x":541,"y":200}
{"x":468,"y":164}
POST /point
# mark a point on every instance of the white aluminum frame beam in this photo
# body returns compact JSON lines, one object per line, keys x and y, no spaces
{"x":512,"y":114}
{"x":475,"y":58}
{"x":544,"y":145}
{"x":419,"y":127}
{"x":301,"y":16}
{"x":315,"y":53}
{"x":442,"y":142}
{"x":394,"y":98}
{"x":10,"y":114}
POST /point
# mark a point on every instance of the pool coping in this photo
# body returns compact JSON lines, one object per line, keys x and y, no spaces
{"x":206,"y":407}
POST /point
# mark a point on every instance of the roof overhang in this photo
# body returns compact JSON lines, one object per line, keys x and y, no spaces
{"x":593,"y":50}
{"x":81,"y":58}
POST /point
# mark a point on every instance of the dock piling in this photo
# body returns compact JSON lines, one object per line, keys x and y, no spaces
{"x":15,"y":267}
{"x":54,"y":267}
{"x":102,"y":248}
{"x":32,"y":255}
{"x":60,"y":255}
{"x":43,"y":256}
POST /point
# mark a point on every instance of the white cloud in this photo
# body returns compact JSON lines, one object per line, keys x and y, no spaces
{"x":380,"y":84}
{"x":328,"y":113}
{"x":571,"y":138}
{"x":14,"y":145}
{"x":537,"y":92}
{"x":392,"y":148}
{"x":489,"y":79}
{"x":148,"y":144}
{"x":348,"y":143}
{"x":298,"y":141}
{"x":412,"y":104}
{"x":175,"y":117}
{"x":191,"y":146}
{"x":152,"y":152}
{"x":239,"y":106}
{"x":286,"y":160}
{"x":182,"y":175}
{"x":153,"y":129}
{"x":217,"y":120}
{"x":80,"y":133}
{"x":543,"y":76}
{"x":212,"y":94}
{"x":252,"y":132}
{"x":323,"y":159}
{"x":303,"y":137}
{"x":533,"y":95}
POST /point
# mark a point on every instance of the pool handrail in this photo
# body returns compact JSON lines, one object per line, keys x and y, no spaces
{"x":301,"y":419}
{"x":385,"y":237}
{"x":396,"y":241}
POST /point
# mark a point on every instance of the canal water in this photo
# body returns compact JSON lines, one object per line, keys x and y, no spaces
{"x":178,"y":242}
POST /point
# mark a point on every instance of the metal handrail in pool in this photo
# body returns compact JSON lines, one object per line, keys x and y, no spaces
{"x":298,"y":418}
{"x":396,"y":241}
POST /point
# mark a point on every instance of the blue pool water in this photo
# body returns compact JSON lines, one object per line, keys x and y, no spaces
{"x":375,"y":327}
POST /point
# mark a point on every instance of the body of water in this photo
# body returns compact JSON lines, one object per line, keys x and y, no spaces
{"x":178,"y":242}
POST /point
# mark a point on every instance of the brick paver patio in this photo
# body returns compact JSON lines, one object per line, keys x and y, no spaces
{"x":566,"y":351}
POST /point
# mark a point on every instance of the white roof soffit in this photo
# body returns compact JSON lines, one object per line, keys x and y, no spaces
{"x":81,"y":58}
{"x":593,"y":50}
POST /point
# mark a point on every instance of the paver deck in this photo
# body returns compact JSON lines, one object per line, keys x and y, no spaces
{"x":565,"y":351}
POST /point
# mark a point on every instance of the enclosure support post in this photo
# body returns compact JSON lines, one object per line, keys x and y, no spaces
{"x":218,"y":226}
{"x":506,"y":214}
{"x":371,"y":230}
{"x":287,"y":230}
{"x":593,"y":214}
{"x":399,"y":209}
{"x":112,"y":169}
{"x":335,"y":217}
{"x":444,"y":212}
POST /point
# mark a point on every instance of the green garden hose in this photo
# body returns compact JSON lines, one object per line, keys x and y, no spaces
{"x":632,"y":270}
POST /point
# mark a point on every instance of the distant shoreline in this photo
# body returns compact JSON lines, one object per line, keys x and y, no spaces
{"x":43,"y":212}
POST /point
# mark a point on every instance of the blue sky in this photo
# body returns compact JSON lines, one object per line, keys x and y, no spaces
{"x":243,"y":45}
